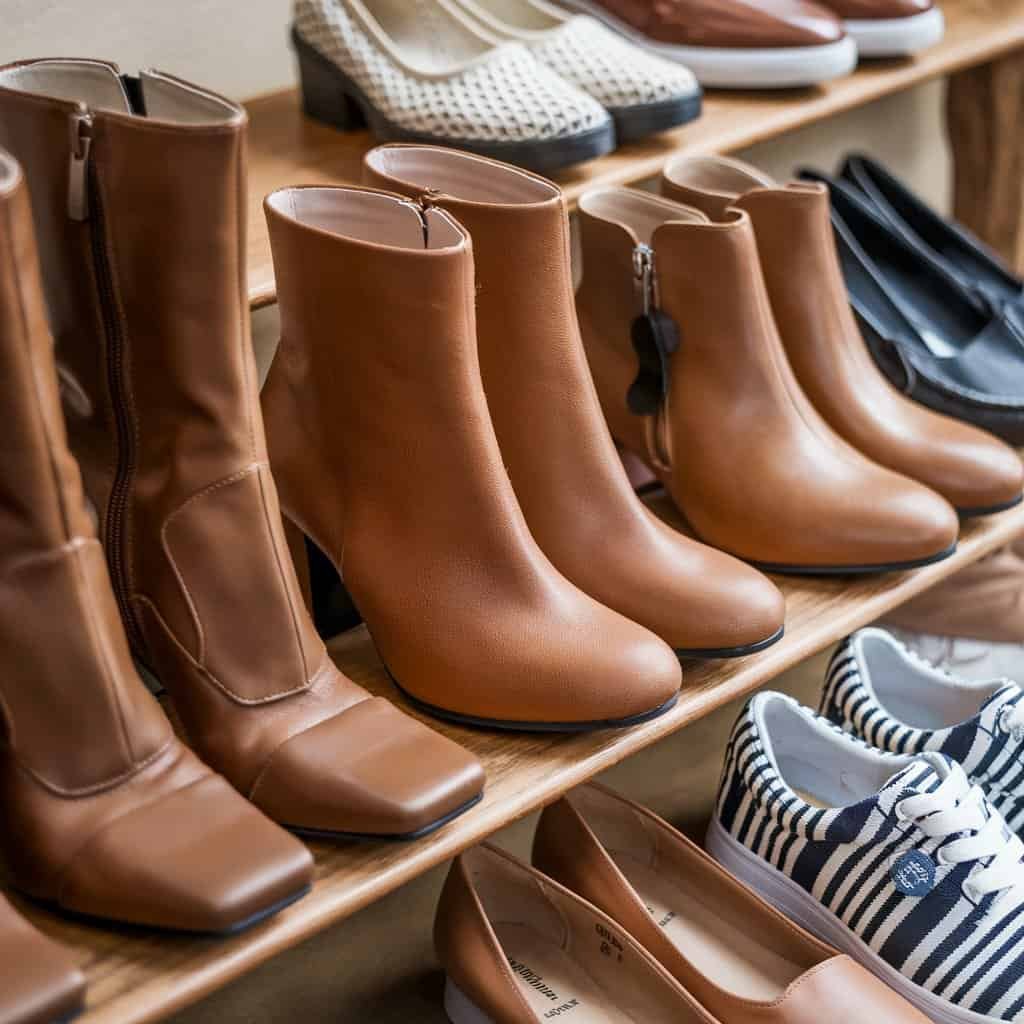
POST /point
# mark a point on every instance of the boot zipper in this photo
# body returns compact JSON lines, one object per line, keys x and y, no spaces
{"x":646,"y":283}
{"x":78,"y":169}
{"x":643,"y":275}
{"x":85,"y":203}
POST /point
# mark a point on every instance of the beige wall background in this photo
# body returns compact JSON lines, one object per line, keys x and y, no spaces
{"x":379,"y":965}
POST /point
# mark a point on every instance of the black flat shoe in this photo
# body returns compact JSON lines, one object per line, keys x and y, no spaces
{"x":947,"y":245}
{"x":935,"y":339}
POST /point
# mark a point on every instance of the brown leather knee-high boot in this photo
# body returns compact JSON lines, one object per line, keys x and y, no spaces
{"x":748,"y":460}
{"x":382,"y":443}
{"x":144,"y":262}
{"x":103,"y":810}
{"x":974,"y":471}
{"x":567,"y":476}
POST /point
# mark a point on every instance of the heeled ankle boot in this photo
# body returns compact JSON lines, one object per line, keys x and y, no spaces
{"x":104,"y":811}
{"x":751,"y":465}
{"x":39,"y":983}
{"x":383,"y":447}
{"x":974,"y":471}
{"x":145,"y":272}
{"x":567,"y":476}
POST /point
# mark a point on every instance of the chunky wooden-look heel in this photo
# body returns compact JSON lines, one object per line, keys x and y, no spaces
{"x":324,"y":96}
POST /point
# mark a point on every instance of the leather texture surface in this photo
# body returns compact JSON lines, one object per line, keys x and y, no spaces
{"x":487,"y":889}
{"x":175,"y":463}
{"x":383,"y":446}
{"x":730,"y":24}
{"x":971,"y":469}
{"x":803,"y":497}
{"x":553,"y":438}
{"x":935,"y":336}
{"x":39,"y":983}
{"x":91,"y":774}
{"x":824,"y":986}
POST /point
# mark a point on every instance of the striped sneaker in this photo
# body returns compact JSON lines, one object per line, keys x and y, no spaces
{"x":896,"y":859}
{"x":881,"y":691}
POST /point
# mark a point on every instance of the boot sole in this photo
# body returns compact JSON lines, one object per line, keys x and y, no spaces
{"x":989,"y":510}
{"x":850,"y":570}
{"x":332,"y":97}
{"x":386,"y":837}
{"x":709,"y":653}
{"x":132,"y":926}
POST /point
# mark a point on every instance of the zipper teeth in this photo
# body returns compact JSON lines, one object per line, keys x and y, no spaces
{"x":115,"y":521}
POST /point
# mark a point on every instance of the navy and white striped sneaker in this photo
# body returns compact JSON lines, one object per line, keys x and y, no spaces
{"x":896,"y":859}
{"x":879,"y":690}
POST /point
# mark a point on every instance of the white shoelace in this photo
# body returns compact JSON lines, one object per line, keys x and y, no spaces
{"x":1013,"y":719}
{"x":957,"y":806}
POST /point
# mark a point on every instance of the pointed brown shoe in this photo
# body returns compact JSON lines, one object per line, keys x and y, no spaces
{"x":144,"y":265}
{"x":751,"y":465}
{"x":518,"y":948}
{"x":976,"y":472}
{"x":383,"y":447}
{"x":567,"y":476}
{"x":104,"y":811}
{"x":743,"y":960}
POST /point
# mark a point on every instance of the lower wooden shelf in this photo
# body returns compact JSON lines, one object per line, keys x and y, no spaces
{"x":137,"y":976}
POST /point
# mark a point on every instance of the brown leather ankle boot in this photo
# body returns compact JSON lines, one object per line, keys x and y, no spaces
{"x":104,"y":811}
{"x":751,"y":465}
{"x":567,"y":476}
{"x":39,"y":983}
{"x":973,"y":470}
{"x":144,"y":264}
{"x":382,"y":444}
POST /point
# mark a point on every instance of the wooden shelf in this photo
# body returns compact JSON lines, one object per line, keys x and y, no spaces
{"x":288,"y":149}
{"x":137,"y":976}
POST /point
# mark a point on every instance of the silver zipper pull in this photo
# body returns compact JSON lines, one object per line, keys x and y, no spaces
{"x":78,"y":170}
{"x":643,"y":274}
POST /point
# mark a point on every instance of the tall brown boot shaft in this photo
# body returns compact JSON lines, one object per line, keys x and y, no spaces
{"x":93,"y":783}
{"x":171,"y":440}
{"x":567,"y":476}
{"x":970,"y":468}
{"x":375,"y":395}
{"x":748,"y":460}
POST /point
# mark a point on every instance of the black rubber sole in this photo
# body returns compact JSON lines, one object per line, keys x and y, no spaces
{"x":851,"y":570}
{"x":330,"y":96}
{"x":472,"y":722}
{"x":989,"y":510}
{"x":387,"y":837}
{"x":709,"y":653}
{"x":129,"y":927}
{"x":644,"y":119}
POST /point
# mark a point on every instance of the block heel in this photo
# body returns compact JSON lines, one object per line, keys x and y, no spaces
{"x":324,"y":95}
{"x":459,"y":1008}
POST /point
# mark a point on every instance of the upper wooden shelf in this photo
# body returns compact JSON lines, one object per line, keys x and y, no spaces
{"x":137,"y":976}
{"x":286,"y":148}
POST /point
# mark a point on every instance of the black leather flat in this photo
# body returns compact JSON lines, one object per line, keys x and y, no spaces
{"x":953,"y":249}
{"x":935,"y":339}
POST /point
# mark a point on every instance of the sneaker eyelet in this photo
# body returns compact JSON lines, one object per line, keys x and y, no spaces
{"x":901,"y":815}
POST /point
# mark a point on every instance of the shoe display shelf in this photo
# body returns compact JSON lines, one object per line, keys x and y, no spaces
{"x":138,"y":975}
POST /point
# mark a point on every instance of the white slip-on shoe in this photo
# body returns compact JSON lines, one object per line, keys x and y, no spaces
{"x":896,"y":859}
{"x":644,"y":94}
{"x":425,"y":73}
{"x":880,"y":691}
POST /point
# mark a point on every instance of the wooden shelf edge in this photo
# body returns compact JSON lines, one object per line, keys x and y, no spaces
{"x":327,"y":905}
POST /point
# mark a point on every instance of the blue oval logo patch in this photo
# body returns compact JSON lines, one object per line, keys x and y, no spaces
{"x":913,"y":873}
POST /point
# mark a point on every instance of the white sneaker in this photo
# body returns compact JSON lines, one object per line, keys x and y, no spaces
{"x":970,"y":659}
{"x":644,"y":94}
{"x":423,"y":73}
{"x":898,"y":860}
